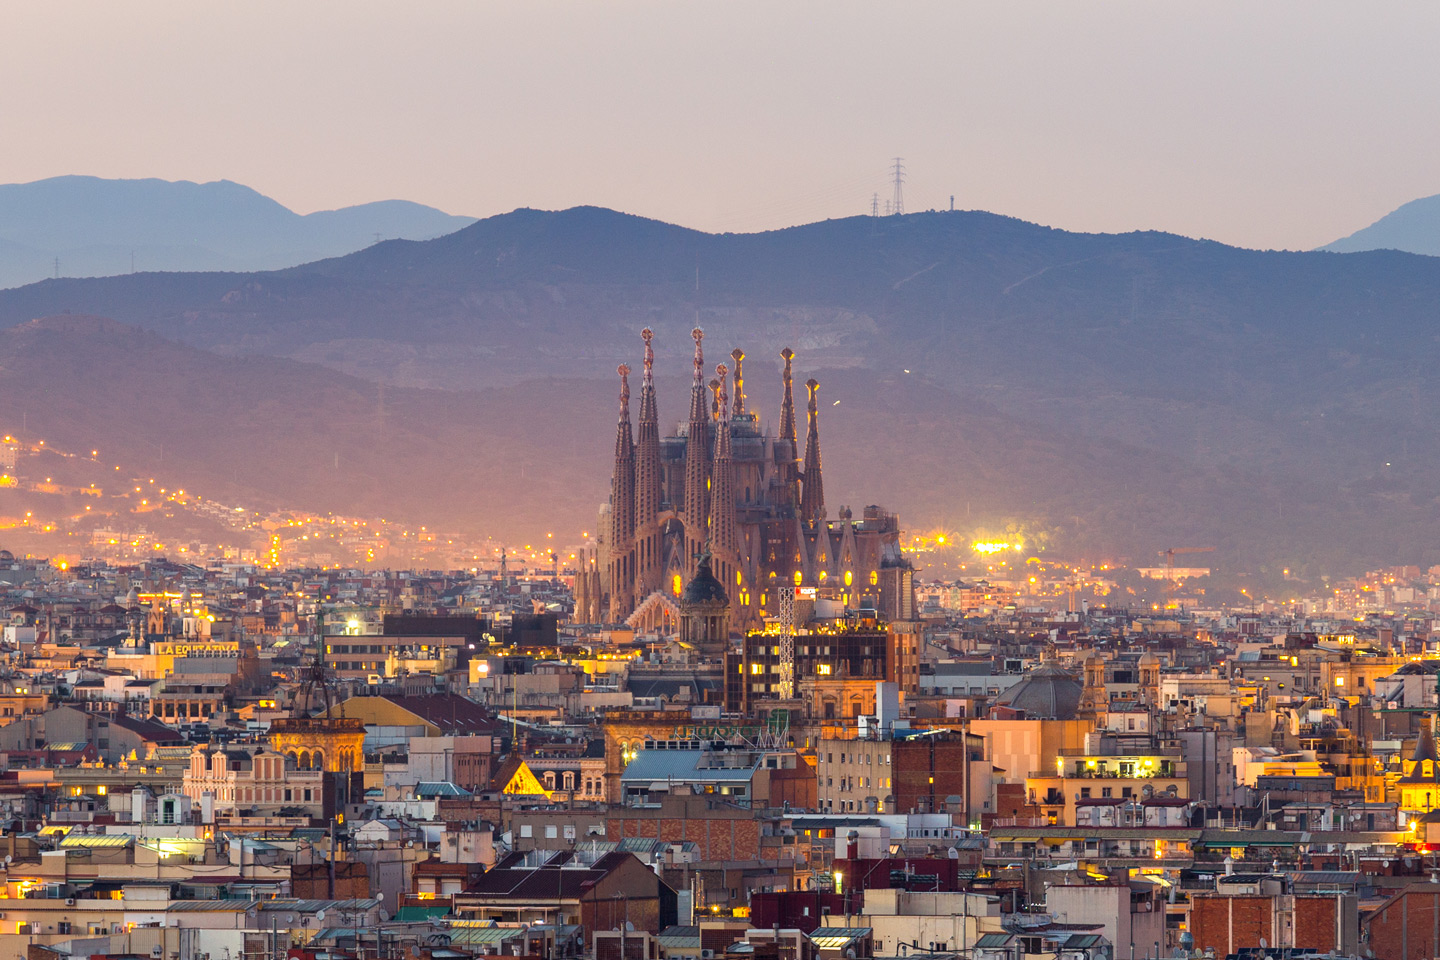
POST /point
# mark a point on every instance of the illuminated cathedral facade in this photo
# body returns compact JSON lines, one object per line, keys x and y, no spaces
{"x":754,"y":499}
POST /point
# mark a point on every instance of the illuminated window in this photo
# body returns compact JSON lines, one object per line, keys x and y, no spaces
{"x":823,"y":669}
{"x":797,"y":578}
{"x":675,"y":585}
{"x":849,"y":578}
{"x":874,"y":577}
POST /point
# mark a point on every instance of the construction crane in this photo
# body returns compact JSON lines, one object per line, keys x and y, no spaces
{"x":1170,"y":556}
{"x":787,"y":643}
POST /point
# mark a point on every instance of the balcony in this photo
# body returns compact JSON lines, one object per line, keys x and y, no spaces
{"x":1165,"y":769}
{"x":1155,"y":753}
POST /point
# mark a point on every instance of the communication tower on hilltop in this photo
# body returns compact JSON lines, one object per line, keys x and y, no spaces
{"x":897,"y":206}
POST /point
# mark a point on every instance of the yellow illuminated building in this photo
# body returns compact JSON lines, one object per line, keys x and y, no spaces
{"x":1419,"y":786}
{"x":320,"y":743}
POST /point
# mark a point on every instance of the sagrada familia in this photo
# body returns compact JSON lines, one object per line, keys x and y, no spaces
{"x":746,"y":499}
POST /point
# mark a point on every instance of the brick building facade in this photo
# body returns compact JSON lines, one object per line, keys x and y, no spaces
{"x":1407,"y":925}
{"x":720,"y":831}
{"x":1322,"y":922}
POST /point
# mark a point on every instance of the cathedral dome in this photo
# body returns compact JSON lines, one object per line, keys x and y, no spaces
{"x":1048,"y":693}
{"x":704,"y":587}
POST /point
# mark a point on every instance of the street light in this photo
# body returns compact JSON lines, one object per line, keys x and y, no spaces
{"x":379,"y":923}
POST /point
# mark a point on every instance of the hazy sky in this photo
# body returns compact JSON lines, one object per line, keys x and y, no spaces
{"x":1261,"y":124}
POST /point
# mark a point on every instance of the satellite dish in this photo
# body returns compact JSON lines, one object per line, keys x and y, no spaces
{"x":380,"y":896}
{"x":629,"y":927}
{"x":319,"y":916}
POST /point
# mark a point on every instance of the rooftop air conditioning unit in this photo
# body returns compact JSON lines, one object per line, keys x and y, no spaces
{"x":70,"y":903}
{"x":707,"y":954}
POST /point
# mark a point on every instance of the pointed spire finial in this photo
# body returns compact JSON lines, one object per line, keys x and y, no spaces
{"x":714,"y":399}
{"x":722,"y":491}
{"x":812,"y":491}
{"x":697,"y":458}
{"x":647,"y":335}
{"x":739,"y":356}
{"x":787,"y":402}
{"x":624,"y":371}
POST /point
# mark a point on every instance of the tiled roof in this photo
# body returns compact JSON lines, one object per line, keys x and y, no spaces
{"x":209,"y":906}
{"x":147,"y":729}
{"x":450,"y":712}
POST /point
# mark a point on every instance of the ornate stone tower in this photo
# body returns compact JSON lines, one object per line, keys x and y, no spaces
{"x":1094,"y":700}
{"x":812,"y":493}
{"x":1150,"y":680}
{"x":649,"y":562}
{"x":737,"y":406}
{"x":620,"y":575}
{"x":724,"y":542}
{"x":788,"y":447}
{"x":697,"y":462}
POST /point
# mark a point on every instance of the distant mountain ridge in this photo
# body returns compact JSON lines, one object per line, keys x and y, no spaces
{"x":269,"y":433}
{"x":1289,"y":390}
{"x":1413,"y":228}
{"x":100,"y":227}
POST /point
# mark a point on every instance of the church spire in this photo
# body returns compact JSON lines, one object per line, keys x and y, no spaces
{"x":697,"y":460}
{"x":648,"y":561}
{"x":812,"y":493}
{"x":624,"y":422}
{"x":622,"y":507}
{"x":723,"y":540}
{"x":647,"y":443}
{"x":787,"y":404}
{"x":697,"y":386}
